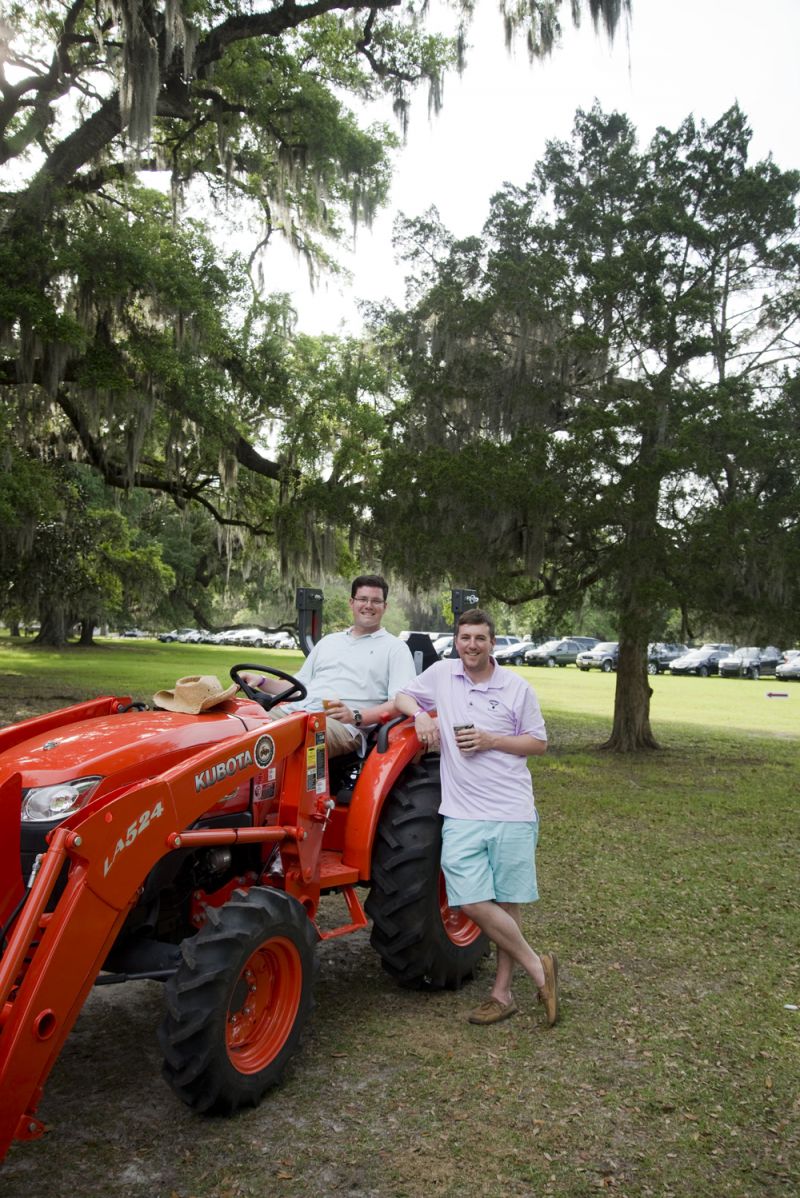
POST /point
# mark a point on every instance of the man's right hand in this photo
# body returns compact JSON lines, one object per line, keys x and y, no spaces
{"x":337,"y":710}
{"x":427,"y":730}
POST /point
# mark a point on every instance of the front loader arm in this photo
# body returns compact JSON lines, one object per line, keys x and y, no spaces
{"x":52,"y":958}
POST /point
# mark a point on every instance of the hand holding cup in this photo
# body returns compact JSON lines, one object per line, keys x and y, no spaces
{"x":465,"y":737}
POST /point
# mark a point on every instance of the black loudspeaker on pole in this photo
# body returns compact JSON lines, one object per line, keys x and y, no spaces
{"x":309,"y":617}
{"x":461,"y":600}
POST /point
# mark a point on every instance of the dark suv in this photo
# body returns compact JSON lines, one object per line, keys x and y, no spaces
{"x":750,"y":663}
{"x":602,"y":657}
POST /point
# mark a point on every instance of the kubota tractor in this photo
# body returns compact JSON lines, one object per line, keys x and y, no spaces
{"x":196,"y":849}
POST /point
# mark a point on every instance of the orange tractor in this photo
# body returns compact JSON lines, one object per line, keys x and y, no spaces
{"x":196,"y":849}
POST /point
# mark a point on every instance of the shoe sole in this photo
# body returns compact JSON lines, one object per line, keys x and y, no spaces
{"x":554,"y":1020}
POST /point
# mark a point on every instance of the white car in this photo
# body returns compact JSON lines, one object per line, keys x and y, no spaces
{"x":505,"y":642}
{"x":442,"y":645}
{"x":281,"y":640}
{"x":193,"y":636}
{"x":246,"y":637}
{"x":790,"y":668}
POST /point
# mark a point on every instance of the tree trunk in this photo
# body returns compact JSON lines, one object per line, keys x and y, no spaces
{"x":87,"y":632}
{"x":53,"y":630}
{"x":631,"y":730}
{"x":641,"y":564}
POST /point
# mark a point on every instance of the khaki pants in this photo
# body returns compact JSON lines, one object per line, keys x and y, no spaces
{"x":339,"y":738}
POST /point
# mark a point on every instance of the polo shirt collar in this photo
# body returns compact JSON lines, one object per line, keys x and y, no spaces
{"x":366,"y":635}
{"x":495,"y":682}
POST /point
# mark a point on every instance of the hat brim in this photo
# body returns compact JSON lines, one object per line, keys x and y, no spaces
{"x":215,"y":700}
{"x":169,"y":701}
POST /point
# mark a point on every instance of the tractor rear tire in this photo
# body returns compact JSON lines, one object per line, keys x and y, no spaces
{"x":238,"y":1003}
{"x":422,"y":942}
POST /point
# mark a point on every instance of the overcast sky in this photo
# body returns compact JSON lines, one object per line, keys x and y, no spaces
{"x":675,"y":58}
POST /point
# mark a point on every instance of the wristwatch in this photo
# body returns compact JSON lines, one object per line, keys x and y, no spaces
{"x":356,"y":717}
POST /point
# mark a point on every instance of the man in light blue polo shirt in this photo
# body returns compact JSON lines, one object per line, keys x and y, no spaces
{"x":351,"y":675}
{"x":489,"y":723}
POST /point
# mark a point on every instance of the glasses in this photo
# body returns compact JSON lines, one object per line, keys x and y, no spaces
{"x":363,"y":600}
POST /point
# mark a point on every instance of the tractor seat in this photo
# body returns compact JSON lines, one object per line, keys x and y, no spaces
{"x":342,"y":776}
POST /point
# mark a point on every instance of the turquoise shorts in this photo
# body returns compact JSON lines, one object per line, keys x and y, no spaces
{"x":486,"y":859}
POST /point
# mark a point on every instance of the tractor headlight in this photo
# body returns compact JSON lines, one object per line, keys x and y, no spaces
{"x":46,"y":803}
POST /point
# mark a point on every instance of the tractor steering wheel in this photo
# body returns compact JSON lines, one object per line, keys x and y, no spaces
{"x":294,"y":691}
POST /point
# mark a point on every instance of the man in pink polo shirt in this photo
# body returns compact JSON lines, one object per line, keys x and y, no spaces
{"x":489,"y":723}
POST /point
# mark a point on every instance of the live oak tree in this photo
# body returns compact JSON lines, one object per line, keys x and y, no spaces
{"x":81,"y":560}
{"x":129,"y":340}
{"x":603,"y":389}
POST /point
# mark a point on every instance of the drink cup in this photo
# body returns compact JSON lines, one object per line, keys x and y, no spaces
{"x":328,"y":703}
{"x":458,"y":728}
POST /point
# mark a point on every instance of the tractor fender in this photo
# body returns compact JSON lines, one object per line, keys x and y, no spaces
{"x":374,"y":785}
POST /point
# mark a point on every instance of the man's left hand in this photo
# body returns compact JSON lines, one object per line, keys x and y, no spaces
{"x":475,"y":740}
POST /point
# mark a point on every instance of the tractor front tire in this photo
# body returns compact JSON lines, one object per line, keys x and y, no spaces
{"x":422,"y":942}
{"x":239,"y":1001}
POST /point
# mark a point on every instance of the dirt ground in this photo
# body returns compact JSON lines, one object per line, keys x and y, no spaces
{"x":116,"y":1130}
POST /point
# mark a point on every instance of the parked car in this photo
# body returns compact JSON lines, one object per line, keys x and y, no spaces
{"x":135,"y":632}
{"x":602,"y":657}
{"x":443,"y":645}
{"x":561,"y":652}
{"x":226,"y":637}
{"x":702,"y":661}
{"x":195,"y":636}
{"x":177,"y":634}
{"x":513,"y":655}
{"x":281,"y":640}
{"x":661,"y":654}
{"x":750,"y":663}
{"x":255,"y":638}
{"x":789,"y":668}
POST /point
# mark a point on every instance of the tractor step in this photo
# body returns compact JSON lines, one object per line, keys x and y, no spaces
{"x":333,"y":873}
{"x":335,"y":876}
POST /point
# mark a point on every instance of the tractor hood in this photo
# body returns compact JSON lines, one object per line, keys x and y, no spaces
{"x":124,"y":748}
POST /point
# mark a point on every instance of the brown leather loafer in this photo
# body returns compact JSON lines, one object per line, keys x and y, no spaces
{"x":492,"y":1011}
{"x":548,"y":995}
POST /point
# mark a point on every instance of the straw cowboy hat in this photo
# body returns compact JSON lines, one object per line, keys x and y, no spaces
{"x":197,"y":693}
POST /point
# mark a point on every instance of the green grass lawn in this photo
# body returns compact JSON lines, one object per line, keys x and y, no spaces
{"x":135,"y":667}
{"x":669,"y":885}
{"x":140,"y":667}
{"x":723,"y":703}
